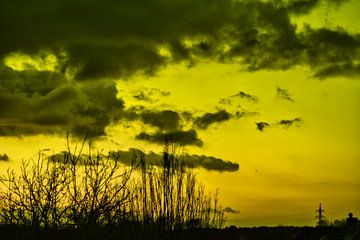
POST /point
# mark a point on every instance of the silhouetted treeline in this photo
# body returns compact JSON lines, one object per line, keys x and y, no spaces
{"x":94,"y":197}
{"x":99,"y":196}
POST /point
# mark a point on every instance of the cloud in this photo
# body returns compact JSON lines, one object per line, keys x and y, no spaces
{"x":240,"y":95}
{"x":62,"y":78}
{"x":336,"y":2}
{"x":68,"y":158}
{"x":285,"y":123}
{"x":243,"y":113}
{"x":284,"y":94}
{"x":190,"y":160}
{"x":301,"y":7}
{"x":181,"y":127}
{"x":4,"y":157}
{"x":261,"y":126}
{"x":164,"y":120}
{"x":331,"y":51}
{"x":149,"y":95}
{"x":43,"y":102}
{"x":230,"y":210}
{"x":210,"y":163}
{"x":246,"y":96}
{"x":132,"y":156}
{"x":296,"y":122}
{"x":113,"y":61}
{"x":207,"y":119}
{"x":181,"y":137}
{"x":119,"y":38}
{"x":351,"y":70}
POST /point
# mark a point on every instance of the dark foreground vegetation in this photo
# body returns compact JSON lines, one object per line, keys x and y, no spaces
{"x":137,"y":231}
{"x":92,"y":196}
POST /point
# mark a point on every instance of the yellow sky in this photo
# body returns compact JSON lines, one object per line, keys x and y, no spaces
{"x":284,"y":173}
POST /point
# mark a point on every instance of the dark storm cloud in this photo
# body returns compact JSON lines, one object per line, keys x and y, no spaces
{"x":164,"y":120}
{"x":351,"y":70}
{"x":181,"y":137}
{"x":332,"y":52}
{"x":173,"y":125}
{"x":112,"y":61}
{"x":132,"y":156}
{"x":207,"y":119}
{"x":302,"y":6}
{"x":100,"y":41}
{"x":167,"y":122}
{"x":261,"y":126}
{"x":4,"y":157}
{"x":28,"y":82}
{"x":284,"y":94}
{"x":36,"y":102}
{"x":126,"y":31}
{"x":119,"y":38}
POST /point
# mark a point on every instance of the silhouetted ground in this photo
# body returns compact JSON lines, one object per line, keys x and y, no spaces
{"x":133,"y":231}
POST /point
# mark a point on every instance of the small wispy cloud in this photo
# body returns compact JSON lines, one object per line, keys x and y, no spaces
{"x":230,"y":210}
{"x":207,"y":119}
{"x":240,"y":95}
{"x":283,"y":93}
{"x":4,"y":157}
{"x":284,"y":123}
{"x":261,"y":126}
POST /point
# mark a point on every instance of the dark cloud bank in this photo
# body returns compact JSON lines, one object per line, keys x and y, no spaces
{"x":132,"y":155}
{"x":181,"y":137}
{"x":169,"y":124}
{"x":98,"y":41}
